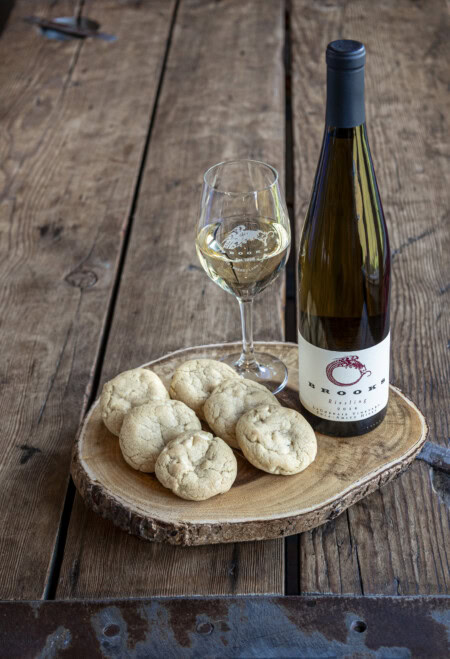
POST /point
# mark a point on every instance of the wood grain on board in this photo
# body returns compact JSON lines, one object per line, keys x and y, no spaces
{"x":396,"y":540}
{"x":222,"y":97}
{"x":74,"y":119}
{"x":259,"y":505}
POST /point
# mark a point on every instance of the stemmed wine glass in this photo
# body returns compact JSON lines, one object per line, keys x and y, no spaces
{"x":243,"y":239}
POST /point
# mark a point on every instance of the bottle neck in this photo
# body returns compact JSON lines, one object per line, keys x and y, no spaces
{"x":345,"y":98}
{"x":354,"y":135}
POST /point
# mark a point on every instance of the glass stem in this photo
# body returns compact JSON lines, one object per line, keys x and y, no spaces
{"x":247,"y":357}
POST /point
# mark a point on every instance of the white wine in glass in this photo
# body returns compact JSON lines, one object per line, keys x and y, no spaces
{"x":243,"y":241}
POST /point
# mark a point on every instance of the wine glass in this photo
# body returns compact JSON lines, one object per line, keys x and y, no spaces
{"x":243,"y":239}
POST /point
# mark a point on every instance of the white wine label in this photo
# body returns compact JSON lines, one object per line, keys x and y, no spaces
{"x":343,"y":386}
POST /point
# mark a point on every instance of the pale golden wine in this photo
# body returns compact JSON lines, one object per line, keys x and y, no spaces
{"x":243,"y":254}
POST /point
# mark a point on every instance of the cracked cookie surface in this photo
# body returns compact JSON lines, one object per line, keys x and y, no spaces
{"x":229,"y":401}
{"x":194,"y":381}
{"x":196,"y":466}
{"x":147,"y":429}
{"x":129,"y":389}
{"x":276,"y":439}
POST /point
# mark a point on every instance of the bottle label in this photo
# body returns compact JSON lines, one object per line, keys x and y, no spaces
{"x":343,"y":386}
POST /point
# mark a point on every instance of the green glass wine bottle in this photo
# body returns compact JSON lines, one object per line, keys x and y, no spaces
{"x":344,"y":267}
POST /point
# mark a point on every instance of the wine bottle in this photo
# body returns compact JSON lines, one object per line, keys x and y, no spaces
{"x":344,"y":267}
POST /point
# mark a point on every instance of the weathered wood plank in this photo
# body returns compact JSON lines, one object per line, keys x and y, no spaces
{"x":74,"y":120}
{"x":222,"y":97}
{"x":396,"y":540}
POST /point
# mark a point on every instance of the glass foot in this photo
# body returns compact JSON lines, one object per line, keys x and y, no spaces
{"x":266,"y":369}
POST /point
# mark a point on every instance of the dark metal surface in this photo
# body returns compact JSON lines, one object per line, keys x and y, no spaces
{"x":324,"y":626}
{"x":66,"y":27}
{"x":436,"y":456}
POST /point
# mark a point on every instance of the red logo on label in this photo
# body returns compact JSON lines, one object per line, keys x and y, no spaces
{"x":346,"y":362}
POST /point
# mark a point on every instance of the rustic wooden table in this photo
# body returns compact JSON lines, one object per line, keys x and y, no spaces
{"x":103,"y":144}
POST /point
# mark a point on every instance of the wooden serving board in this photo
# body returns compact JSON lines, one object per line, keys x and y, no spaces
{"x":259,"y":506}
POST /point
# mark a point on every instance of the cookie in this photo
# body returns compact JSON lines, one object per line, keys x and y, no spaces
{"x":229,"y":401}
{"x":194,"y":380}
{"x":148,"y":428}
{"x":276,"y":439}
{"x":196,"y":466}
{"x":127,"y":390}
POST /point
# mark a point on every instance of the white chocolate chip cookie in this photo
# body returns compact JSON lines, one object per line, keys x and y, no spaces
{"x":147,"y":429}
{"x":276,"y":439}
{"x":127,"y":390}
{"x":229,"y":401}
{"x":196,"y":466}
{"x":194,"y":380}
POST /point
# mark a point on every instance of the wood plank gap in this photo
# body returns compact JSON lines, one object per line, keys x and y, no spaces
{"x":5,"y":11}
{"x":58,"y":553}
{"x":355,"y":546}
{"x":291,"y":544}
{"x":78,"y":11}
